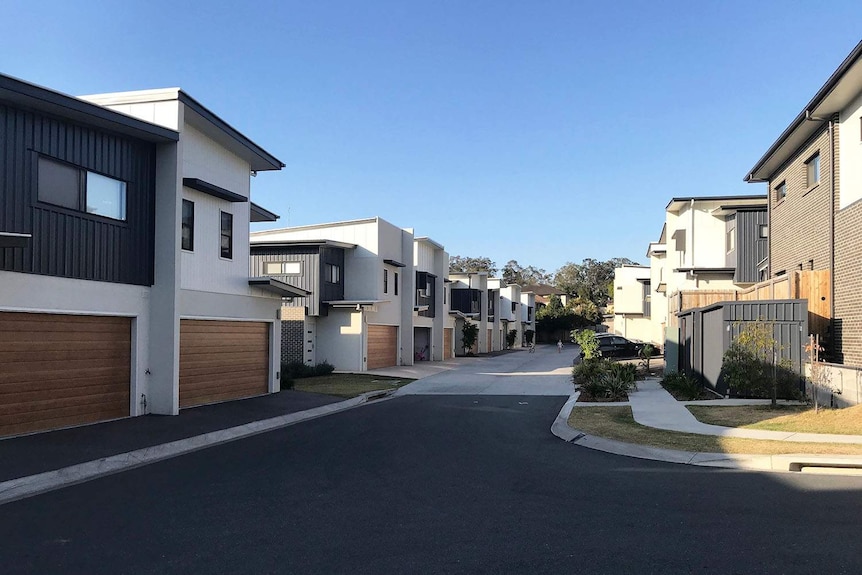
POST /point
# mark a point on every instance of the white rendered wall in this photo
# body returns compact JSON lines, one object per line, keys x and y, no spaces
{"x":340,"y":340}
{"x":850,"y":148}
{"x":629,"y":289}
{"x":633,"y":327}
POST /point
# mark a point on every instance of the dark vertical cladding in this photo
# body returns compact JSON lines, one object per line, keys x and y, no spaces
{"x":71,"y":243}
{"x":751,"y":244}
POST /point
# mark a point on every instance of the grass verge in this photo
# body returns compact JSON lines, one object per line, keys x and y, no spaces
{"x":616,"y":422}
{"x":348,"y":385}
{"x":802,"y":419}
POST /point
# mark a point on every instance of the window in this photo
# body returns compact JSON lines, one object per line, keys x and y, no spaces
{"x":396,"y":283}
{"x":730,"y":240}
{"x":780,"y":191}
{"x":227,"y":235}
{"x":332,"y":273}
{"x":106,"y":196}
{"x":514,"y":307}
{"x":188,"y":225}
{"x":282,"y":268}
{"x":385,"y":281}
{"x":444,"y":295}
{"x":78,"y":189}
{"x":812,"y":170}
{"x":763,"y":231}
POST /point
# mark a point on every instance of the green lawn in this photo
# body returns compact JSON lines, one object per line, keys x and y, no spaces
{"x":616,"y":422}
{"x":348,"y":385}
{"x":790,"y":418}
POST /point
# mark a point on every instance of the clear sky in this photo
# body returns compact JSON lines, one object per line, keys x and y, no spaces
{"x":540,"y":131}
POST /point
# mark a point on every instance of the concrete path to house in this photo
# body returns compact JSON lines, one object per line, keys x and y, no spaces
{"x":515,"y":373}
{"x":654,"y":407}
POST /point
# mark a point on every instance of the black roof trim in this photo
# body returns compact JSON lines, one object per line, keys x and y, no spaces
{"x":695,"y":270}
{"x":800,"y":119}
{"x":213,"y":190}
{"x":260,"y":214}
{"x":203,"y":111}
{"x":395,"y":263}
{"x":34,"y":97}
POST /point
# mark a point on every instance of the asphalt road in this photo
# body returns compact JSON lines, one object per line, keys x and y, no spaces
{"x":442,"y":484}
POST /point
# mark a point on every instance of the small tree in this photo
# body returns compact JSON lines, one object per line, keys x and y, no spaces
{"x":469,"y":333}
{"x":647,"y":351}
{"x":586,"y":338}
{"x":528,"y":335}
{"x":750,"y":363}
{"x":510,"y":338}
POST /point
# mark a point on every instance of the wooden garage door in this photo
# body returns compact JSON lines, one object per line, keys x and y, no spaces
{"x":382,"y":346}
{"x":62,"y":370}
{"x":448,"y":332}
{"x":222,"y":360}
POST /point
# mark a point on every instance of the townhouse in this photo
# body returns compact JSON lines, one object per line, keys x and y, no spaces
{"x":632,"y":302}
{"x":813,"y":175}
{"x":433,"y":329}
{"x":358,"y":282}
{"x":124,"y":260}
{"x":468,"y":295}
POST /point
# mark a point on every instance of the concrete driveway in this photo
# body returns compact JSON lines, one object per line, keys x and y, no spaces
{"x":545,"y":372}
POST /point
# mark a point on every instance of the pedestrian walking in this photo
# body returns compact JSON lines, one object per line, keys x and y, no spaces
{"x":559,"y":346}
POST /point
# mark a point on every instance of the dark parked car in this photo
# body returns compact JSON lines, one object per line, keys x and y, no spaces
{"x":611,"y":345}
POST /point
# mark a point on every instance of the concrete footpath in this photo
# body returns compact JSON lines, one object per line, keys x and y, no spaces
{"x":652,"y":406}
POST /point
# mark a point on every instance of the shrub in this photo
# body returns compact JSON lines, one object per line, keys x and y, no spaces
{"x":646,"y":352}
{"x":323,"y":368}
{"x":589,"y":369}
{"x":682,"y":386}
{"x":603,"y":379}
{"x":297,"y":370}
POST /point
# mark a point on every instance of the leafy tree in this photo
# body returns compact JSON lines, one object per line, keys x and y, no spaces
{"x":751,"y":365}
{"x":513,"y":273}
{"x":556,"y":317}
{"x":591,"y":279}
{"x":469,"y":333}
{"x":468,"y":264}
{"x":510,"y":338}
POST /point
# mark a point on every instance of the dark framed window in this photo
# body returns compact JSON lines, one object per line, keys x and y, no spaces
{"x":227,"y":235}
{"x":332,"y":273}
{"x":514,"y":307}
{"x":385,"y":281}
{"x":188,"y":225}
{"x":780,"y":191}
{"x":396,"y":283}
{"x":75,"y":188}
{"x":812,"y":170}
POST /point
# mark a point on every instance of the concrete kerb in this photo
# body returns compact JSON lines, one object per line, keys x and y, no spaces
{"x":797,"y":462}
{"x":23,"y":487}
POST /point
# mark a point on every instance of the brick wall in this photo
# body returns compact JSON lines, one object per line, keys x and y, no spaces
{"x":292,"y":333}
{"x":848,"y":284}
{"x":799,"y":223}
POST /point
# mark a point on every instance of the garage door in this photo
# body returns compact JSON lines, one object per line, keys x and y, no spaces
{"x":222,"y":360}
{"x":382,"y":346}
{"x":62,"y":370}
{"x":448,"y":332}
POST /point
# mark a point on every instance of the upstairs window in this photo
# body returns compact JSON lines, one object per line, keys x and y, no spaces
{"x":188,"y":225}
{"x":282,"y":268}
{"x":385,"y":281}
{"x":780,"y":191}
{"x":730,"y":240}
{"x":812,"y":171}
{"x":227,"y":235}
{"x":332,"y":273}
{"x":396,"y":283}
{"x":74,"y":188}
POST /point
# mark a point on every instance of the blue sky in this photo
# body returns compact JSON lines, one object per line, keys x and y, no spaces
{"x":540,"y":131}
